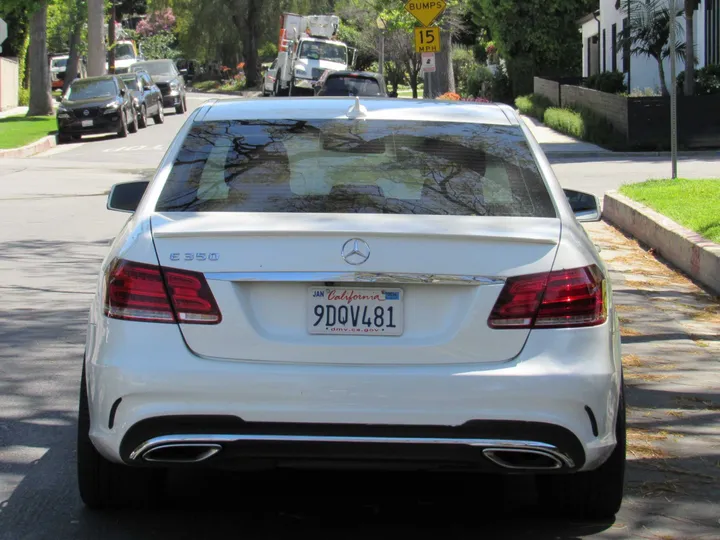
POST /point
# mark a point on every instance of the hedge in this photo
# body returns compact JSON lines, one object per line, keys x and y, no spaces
{"x":533,"y":105}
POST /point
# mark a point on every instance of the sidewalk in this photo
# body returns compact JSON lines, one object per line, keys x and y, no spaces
{"x":557,"y":144}
{"x":15,"y":111}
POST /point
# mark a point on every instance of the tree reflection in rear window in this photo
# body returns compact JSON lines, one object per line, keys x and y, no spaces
{"x":351,"y":166}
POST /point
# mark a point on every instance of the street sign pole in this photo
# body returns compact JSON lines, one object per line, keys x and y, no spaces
{"x":673,"y":91}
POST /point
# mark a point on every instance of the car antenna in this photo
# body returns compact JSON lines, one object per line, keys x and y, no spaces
{"x":357,"y":110}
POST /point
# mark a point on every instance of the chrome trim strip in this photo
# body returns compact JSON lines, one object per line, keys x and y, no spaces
{"x":357,"y":277}
{"x":219,"y":439}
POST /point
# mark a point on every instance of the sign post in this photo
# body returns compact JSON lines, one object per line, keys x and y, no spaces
{"x":673,"y":92}
{"x":427,"y":37}
{"x":428,"y":62}
{"x":3,"y":32}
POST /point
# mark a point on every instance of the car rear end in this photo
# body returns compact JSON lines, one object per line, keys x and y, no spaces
{"x":303,"y":287}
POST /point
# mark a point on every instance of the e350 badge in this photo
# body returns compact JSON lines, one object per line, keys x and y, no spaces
{"x":194,"y":257}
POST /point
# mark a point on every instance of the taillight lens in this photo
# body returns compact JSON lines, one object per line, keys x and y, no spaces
{"x":560,"y":299}
{"x":143,"y":292}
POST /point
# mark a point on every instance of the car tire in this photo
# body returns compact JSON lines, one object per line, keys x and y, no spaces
{"x":104,"y":484}
{"x":180,"y":109}
{"x":123,"y":129}
{"x":594,"y":494}
{"x":291,"y":88}
{"x":63,"y":138}
{"x":142,"y":117}
{"x":159,"y":118}
{"x":133,"y":128}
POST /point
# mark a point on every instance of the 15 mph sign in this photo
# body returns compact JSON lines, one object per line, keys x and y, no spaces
{"x":426,"y":12}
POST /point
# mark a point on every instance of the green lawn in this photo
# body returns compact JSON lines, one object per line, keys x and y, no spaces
{"x":17,"y":131}
{"x":695,"y":204}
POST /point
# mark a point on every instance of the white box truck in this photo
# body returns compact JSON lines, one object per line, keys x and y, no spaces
{"x":307,"y":48}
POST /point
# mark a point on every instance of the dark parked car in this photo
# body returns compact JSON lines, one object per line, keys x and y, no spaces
{"x":96,"y":105}
{"x":351,"y":83}
{"x":168,"y":78}
{"x":147,"y":98}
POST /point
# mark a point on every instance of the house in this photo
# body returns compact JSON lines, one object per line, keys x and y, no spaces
{"x":601,"y":52}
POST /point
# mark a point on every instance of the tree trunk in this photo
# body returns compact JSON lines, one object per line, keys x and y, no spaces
{"x":661,"y":72}
{"x":40,"y":95}
{"x":250,"y":47}
{"x":689,"y":84}
{"x":413,"y":83}
{"x":96,"y":38}
{"x":73,"y":67}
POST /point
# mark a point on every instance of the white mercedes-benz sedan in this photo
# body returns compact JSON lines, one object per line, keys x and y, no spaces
{"x":344,"y":283}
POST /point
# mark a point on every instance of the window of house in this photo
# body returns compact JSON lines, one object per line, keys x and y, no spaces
{"x":604,"y":48}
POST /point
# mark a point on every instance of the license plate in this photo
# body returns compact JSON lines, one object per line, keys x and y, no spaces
{"x":87,"y":123}
{"x":360,"y":312}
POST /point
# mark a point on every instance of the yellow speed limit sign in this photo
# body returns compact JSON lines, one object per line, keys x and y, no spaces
{"x":427,"y":39}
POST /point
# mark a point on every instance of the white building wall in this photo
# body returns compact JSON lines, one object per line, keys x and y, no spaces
{"x":644,"y":70}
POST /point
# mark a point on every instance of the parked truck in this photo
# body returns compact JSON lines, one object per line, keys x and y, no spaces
{"x":307,"y":48}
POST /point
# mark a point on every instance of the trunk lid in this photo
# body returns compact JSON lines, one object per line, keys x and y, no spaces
{"x":266,"y":271}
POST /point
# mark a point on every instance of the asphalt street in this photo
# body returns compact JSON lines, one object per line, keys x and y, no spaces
{"x":54,"y":230}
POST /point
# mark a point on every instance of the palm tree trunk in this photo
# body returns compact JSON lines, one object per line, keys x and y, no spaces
{"x":40,"y":95}
{"x":689,"y":85}
{"x":661,"y":71}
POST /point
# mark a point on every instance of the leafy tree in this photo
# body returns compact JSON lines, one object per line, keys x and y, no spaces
{"x":650,"y":33}
{"x":535,"y":37}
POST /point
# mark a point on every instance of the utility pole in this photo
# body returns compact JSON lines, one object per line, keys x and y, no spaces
{"x":673,"y":91}
{"x":381,"y":60}
{"x":111,"y":39}
{"x":96,"y":39}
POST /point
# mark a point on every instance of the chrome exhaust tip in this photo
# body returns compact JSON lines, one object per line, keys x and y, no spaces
{"x":521,"y":459}
{"x":181,"y":453}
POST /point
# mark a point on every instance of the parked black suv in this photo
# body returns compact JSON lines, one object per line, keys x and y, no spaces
{"x":168,"y":78}
{"x":96,"y":105}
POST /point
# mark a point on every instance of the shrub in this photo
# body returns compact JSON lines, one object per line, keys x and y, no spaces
{"x":583,"y":124}
{"x":500,"y":89}
{"x":533,"y":105}
{"x":611,"y":82}
{"x":23,"y":97}
{"x":269,"y":51}
{"x":479,"y":81}
{"x":463,"y":64}
{"x":449,"y":96}
{"x":520,"y":71}
{"x":707,"y":80}
{"x":479,"y":51}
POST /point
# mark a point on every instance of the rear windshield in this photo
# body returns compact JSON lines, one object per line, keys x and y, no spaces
{"x":351,"y":86}
{"x":132,"y":84}
{"x":350,"y":166}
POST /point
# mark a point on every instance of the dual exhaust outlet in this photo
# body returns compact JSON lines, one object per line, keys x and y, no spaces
{"x":519,"y":456}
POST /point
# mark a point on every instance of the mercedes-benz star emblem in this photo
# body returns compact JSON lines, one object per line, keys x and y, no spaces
{"x":86,"y":112}
{"x":355,"y":251}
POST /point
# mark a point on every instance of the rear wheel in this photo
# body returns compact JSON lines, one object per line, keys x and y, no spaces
{"x":104,"y":484}
{"x":594,"y":494}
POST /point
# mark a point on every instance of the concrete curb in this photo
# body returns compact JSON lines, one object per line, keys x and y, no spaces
{"x":46,"y":143}
{"x":697,"y":256}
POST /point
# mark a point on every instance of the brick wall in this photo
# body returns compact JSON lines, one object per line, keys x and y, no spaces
{"x":547,"y":88}
{"x":610,"y":106}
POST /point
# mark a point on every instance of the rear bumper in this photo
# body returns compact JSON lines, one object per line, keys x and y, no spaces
{"x":171,"y":100}
{"x":144,"y":384}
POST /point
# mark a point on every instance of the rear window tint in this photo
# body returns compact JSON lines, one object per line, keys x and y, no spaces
{"x":350,"y":166}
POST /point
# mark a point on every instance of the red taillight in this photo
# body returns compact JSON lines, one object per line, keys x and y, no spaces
{"x":561,"y":299}
{"x":143,"y":292}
